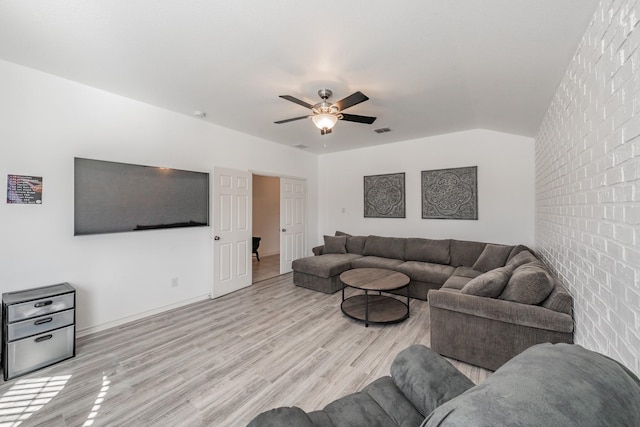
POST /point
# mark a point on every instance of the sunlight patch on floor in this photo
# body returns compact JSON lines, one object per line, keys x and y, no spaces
{"x":96,"y":405}
{"x":28,"y":396}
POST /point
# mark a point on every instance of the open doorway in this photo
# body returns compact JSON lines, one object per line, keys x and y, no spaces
{"x":266,"y":226}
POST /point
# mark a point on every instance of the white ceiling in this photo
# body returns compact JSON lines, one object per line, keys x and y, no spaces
{"x":430,"y":66}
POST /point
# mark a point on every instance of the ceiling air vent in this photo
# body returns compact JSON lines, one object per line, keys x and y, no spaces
{"x":301,"y":146}
{"x":382,"y":130}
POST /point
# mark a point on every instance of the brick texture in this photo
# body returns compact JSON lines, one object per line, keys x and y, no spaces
{"x":588,"y":183}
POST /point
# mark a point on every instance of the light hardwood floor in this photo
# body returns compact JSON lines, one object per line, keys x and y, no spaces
{"x":217,"y":363}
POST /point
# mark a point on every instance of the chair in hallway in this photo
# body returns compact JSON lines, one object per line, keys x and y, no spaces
{"x":256,"y":244}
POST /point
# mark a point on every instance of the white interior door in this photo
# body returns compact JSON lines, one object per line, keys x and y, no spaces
{"x":231,"y":231}
{"x":293,"y":203}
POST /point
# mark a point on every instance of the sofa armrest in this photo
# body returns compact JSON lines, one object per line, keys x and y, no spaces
{"x":318,"y":250}
{"x":533,"y":316}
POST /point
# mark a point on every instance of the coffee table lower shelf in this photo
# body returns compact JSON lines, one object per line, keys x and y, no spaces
{"x":375,"y":309}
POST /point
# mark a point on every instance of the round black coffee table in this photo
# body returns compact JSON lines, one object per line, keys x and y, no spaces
{"x":376,"y":308}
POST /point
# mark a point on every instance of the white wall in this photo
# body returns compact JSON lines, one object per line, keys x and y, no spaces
{"x":505,"y":187}
{"x":44,"y":122}
{"x":588,"y":182}
{"x":266,"y":213}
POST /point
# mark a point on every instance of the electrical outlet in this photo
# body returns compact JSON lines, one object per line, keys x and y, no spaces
{"x":175,"y":282}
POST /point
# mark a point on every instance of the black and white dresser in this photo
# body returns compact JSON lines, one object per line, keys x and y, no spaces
{"x":38,"y":328}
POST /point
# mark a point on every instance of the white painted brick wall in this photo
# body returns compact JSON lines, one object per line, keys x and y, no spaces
{"x":588,"y":183}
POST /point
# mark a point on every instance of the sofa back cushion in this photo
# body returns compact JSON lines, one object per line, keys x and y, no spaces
{"x":492,"y":256}
{"x":464,"y":253}
{"x":355,"y":244}
{"x":521,"y":258}
{"x":428,"y":250}
{"x":552,"y":385}
{"x":385,"y":247}
{"x":529,"y":284}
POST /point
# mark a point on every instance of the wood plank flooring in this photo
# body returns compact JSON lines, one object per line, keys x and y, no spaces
{"x":217,"y":363}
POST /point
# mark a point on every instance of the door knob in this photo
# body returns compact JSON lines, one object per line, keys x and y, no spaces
{"x":216,"y":238}
{"x":284,"y":230}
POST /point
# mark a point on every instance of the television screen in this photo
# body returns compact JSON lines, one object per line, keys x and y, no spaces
{"x":111,"y":197}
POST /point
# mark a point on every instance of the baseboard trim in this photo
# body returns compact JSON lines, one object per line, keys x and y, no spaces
{"x":103,"y":327}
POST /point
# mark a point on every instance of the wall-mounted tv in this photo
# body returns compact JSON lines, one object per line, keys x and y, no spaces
{"x":111,"y":197}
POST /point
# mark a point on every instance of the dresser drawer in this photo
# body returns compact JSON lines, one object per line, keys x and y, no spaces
{"x":38,"y":325}
{"x":29,"y":354}
{"x":40,"y":307}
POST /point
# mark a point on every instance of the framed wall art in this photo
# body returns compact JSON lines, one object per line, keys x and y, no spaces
{"x":450,"y":193}
{"x":384,"y":196}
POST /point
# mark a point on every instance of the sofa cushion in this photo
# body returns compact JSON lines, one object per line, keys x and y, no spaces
{"x":324,"y":265}
{"x":386,"y":247}
{"x":335,"y":245}
{"x":490,"y":284}
{"x":523,"y":257}
{"x":529,"y":284}
{"x":358,"y":410}
{"x":466,"y":272}
{"x":428,"y":250}
{"x":282,"y":417}
{"x":493,"y":256}
{"x":426,"y":271}
{"x":464,"y":253}
{"x":559,"y":299}
{"x":375,"y":262}
{"x":386,"y":394}
{"x":455,"y":283}
{"x":355,"y":244}
{"x":552,"y":385}
{"x":427,"y":379}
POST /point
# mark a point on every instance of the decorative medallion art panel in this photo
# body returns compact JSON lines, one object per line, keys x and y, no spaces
{"x":384,"y":196}
{"x":450,"y":193}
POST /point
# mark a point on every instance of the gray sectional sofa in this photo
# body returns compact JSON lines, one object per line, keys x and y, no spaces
{"x":547,"y":385}
{"x":488,"y":302}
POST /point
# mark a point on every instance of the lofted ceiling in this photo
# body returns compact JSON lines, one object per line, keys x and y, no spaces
{"x":429,"y":67}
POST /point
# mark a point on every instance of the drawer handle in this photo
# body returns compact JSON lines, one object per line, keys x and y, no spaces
{"x":44,"y":338}
{"x":43,"y":303}
{"x":43,"y":321}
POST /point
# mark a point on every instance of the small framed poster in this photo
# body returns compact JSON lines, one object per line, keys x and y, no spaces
{"x":24,"y":189}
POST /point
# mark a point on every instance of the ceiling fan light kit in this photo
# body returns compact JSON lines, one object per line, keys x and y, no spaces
{"x":325,"y":114}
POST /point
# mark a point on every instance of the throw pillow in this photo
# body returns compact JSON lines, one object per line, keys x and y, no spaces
{"x":493,"y":256}
{"x":335,"y":245}
{"x":529,"y":284}
{"x":490,"y":284}
{"x":342,"y":233}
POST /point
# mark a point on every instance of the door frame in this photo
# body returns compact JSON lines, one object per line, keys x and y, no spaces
{"x":306,"y":201}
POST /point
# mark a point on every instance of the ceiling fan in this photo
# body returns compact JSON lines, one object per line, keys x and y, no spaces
{"x":326,"y":115}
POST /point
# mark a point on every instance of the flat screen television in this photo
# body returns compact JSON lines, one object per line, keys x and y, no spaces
{"x":111,"y":197}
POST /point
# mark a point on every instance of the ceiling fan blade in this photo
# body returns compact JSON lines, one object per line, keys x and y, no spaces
{"x":359,"y":119}
{"x":351,"y":100}
{"x":290,"y":120}
{"x":296,"y":101}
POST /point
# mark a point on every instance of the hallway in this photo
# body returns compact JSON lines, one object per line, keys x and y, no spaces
{"x":268,"y":267}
